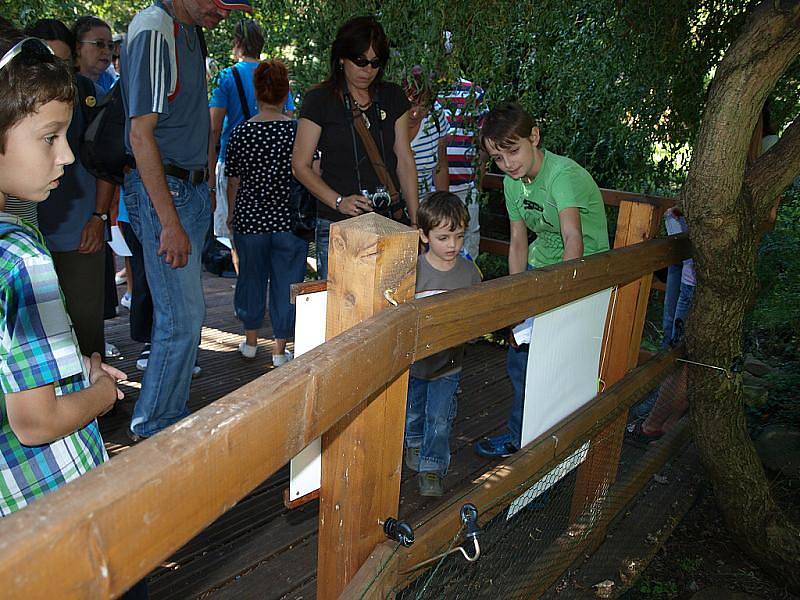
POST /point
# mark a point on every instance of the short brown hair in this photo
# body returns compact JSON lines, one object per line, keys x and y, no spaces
{"x":442,"y":208}
{"x":28,"y":82}
{"x":248,"y":36}
{"x":271,"y":81}
{"x":505,"y":124}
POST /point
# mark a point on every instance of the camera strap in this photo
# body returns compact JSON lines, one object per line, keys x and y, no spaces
{"x":374,"y":155}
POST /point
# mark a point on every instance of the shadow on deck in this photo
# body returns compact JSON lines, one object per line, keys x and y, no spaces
{"x":259,"y":549}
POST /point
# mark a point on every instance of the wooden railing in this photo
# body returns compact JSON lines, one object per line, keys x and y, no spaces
{"x":102,"y":533}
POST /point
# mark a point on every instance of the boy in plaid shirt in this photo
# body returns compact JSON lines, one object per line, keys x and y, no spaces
{"x":50,"y":395}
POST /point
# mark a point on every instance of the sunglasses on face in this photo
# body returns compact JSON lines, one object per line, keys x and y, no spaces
{"x":361,"y":61}
{"x":30,"y":46}
{"x":101,"y":44}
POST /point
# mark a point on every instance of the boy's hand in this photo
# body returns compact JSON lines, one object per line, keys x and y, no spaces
{"x":100,"y":373}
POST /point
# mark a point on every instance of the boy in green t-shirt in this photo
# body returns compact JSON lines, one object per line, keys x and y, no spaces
{"x":558,"y":200}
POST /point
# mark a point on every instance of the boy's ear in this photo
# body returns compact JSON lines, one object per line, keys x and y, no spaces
{"x":422,"y":236}
{"x":535,"y":137}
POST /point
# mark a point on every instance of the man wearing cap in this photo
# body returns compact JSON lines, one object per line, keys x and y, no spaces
{"x":166,"y":193}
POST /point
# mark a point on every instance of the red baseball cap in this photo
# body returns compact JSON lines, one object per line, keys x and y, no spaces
{"x":243,"y":5}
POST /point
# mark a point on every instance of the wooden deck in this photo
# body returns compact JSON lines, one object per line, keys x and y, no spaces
{"x":259,"y":549}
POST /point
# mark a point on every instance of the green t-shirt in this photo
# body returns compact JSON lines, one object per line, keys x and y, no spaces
{"x":561,"y":183}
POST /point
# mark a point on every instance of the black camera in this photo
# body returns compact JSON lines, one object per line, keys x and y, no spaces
{"x":380,"y":199}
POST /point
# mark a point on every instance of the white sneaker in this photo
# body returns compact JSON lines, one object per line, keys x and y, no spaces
{"x":112,"y":351}
{"x":281,"y":359}
{"x":125,"y":301}
{"x":141,"y":364}
{"x":247,"y":351}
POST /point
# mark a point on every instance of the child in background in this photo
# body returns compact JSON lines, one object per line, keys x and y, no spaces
{"x":432,"y":386}
{"x":50,"y":395}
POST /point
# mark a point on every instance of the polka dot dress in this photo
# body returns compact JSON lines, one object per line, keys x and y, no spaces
{"x":260,"y":155}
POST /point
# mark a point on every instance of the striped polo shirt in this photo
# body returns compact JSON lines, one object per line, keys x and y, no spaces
{"x":465,"y":107}
{"x":425,"y":147}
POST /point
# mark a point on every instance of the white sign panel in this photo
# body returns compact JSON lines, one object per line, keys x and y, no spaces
{"x":305,"y":469}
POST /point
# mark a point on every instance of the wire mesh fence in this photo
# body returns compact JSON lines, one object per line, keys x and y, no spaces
{"x":528,"y":537}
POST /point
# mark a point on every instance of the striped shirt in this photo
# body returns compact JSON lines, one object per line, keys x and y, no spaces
{"x":465,"y":106}
{"x":425,"y":147}
{"x":37,"y":347}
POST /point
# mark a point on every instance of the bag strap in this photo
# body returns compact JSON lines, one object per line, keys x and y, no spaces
{"x":374,"y":155}
{"x":242,"y":98}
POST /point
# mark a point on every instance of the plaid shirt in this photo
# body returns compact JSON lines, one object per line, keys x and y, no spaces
{"x":37,"y":347}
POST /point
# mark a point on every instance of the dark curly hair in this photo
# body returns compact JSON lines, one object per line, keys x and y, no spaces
{"x":29,"y":81}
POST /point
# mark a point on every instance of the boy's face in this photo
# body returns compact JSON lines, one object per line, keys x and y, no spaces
{"x":443,"y":243}
{"x":517,"y":160}
{"x":36,"y":152}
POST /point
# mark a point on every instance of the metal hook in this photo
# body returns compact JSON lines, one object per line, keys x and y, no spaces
{"x":389,"y":295}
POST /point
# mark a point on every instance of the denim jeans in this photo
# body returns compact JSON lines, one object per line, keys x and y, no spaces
{"x":178,"y":303}
{"x":429,"y":420}
{"x":677,"y":302}
{"x":321,"y":240}
{"x":517,"y":366}
{"x":274,"y":259}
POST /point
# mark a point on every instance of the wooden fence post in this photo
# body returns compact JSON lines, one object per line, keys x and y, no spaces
{"x":361,"y":455}
{"x":637,"y":222}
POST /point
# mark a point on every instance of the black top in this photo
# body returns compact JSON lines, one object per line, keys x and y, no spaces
{"x":327,"y":110}
{"x":260,"y":155}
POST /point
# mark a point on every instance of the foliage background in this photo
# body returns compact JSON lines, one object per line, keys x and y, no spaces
{"x":617,"y":85}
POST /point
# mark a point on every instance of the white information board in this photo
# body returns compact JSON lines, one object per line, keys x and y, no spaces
{"x":305,"y":469}
{"x":563,"y":374}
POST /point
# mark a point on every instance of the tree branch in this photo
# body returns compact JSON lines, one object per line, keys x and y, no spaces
{"x":769,"y":175}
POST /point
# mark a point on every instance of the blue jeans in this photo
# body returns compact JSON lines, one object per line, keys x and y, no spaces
{"x":517,"y":366}
{"x":429,"y":420}
{"x":274,"y":259}
{"x":178,"y":303}
{"x":677,"y":302}
{"x":321,"y":240}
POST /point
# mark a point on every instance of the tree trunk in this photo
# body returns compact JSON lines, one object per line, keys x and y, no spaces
{"x":726,"y":202}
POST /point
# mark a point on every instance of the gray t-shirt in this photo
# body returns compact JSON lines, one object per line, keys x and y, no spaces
{"x":431,"y":280}
{"x":150,"y":86}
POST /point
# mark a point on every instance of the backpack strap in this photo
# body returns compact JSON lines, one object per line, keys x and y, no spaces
{"x":242,"y":98}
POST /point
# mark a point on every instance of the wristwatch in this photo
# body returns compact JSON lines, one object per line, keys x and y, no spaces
{"x":338,"y":203}
{"x":101,"y":216}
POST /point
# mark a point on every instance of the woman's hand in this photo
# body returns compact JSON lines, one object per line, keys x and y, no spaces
{"x":355,"y":205}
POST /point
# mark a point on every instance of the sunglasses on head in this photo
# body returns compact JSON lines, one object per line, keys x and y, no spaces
{"x":29,"y":45}
{"x":361,"y":61}
{"x":101,"y":44}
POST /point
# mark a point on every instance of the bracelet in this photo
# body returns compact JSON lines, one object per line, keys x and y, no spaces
{"x":338,"y":203}
{"x":212,"y":189}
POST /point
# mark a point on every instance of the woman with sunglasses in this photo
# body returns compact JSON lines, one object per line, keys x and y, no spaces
{"x":354,"y":90}
{"x":93,"y":46}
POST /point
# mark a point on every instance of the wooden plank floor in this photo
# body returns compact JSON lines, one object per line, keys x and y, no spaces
{"x":259,"y":549}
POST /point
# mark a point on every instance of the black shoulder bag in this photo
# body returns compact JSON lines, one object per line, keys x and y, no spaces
{"x":302,"y":207}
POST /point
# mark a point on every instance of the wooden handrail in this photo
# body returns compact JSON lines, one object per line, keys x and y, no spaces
{"x":131,"y":513}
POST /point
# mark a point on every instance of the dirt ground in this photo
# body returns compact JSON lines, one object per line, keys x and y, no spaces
{"x":701,"y":559}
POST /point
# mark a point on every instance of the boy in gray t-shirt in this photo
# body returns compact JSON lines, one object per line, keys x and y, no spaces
{"x":434,"y":380}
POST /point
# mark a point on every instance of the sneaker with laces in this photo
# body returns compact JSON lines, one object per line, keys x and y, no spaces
{"x":412,"y":458}
{"x":281,"y":359}
{"x":499,"y":446}
{"x":141,"y":363}
{"x":430,"y":484}
{"x":247,"y":351}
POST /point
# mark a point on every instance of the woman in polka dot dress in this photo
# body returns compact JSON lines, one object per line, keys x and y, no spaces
{"x":259,"y":170}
